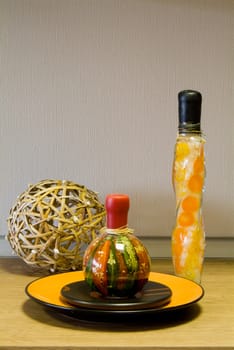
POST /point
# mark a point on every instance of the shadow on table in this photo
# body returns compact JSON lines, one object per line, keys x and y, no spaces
{"x":15,"y":265}
{"x":111,"y":322}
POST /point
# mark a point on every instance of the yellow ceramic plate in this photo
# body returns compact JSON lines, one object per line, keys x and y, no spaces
{"x":47,"y":291}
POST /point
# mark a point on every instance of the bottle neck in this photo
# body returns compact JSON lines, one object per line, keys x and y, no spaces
{"x":116,"y":220}
{"x":189,"y":129}
{"x":117,"y":206}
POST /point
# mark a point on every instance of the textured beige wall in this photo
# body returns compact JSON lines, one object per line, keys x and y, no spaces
{"x":88,"y":92}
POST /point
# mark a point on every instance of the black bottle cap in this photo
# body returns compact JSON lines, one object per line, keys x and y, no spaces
{"x":189,"y":110}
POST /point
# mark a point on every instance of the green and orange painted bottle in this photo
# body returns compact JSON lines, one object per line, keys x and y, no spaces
{"x":116,"y":264}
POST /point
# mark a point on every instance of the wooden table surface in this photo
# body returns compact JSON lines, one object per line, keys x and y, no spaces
{"x":208,"y":324}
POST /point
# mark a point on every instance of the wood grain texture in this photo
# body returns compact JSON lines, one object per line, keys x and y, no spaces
{"x":89,"y":94}
{"x":209,"y":325}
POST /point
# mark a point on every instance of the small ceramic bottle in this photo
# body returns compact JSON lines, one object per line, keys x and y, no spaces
{"x":116,"y":264}
{"x":188,"y":237}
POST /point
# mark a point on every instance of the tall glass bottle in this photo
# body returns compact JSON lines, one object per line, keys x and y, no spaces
{"x":188,"y":237}
{"x":116,"y":264}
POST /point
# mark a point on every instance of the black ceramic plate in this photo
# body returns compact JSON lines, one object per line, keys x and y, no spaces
{"x":153,"y":295}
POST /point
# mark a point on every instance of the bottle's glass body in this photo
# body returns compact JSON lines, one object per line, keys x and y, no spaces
{"x":188,"y":236}
{"x":116,"y":264}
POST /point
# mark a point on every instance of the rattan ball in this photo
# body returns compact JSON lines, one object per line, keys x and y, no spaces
{"x":52,"y":223}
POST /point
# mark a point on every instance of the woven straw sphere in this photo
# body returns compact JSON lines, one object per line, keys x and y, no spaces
{"x":52,"y":223}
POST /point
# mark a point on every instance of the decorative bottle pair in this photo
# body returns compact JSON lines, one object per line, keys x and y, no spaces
{"x":116,"y":263}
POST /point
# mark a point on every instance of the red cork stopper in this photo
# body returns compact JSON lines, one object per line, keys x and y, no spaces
{"x":117,"y":206}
